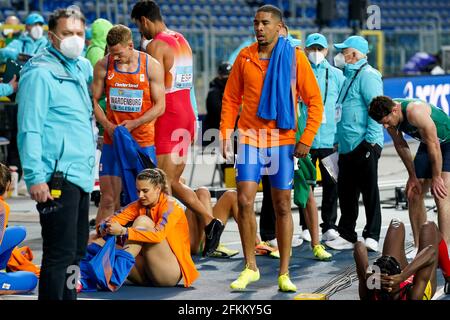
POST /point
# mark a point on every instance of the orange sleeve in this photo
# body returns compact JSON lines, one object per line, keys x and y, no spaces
{"x":128,"y":214}
{"x":309,"y":91}
{"x":232,"y":99}
{"x":4,"y":215}
{"x":167,"y":222}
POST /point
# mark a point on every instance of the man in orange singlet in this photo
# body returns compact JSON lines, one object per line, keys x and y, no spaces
{"x":134,"y":86}
{"x":174,"y":130}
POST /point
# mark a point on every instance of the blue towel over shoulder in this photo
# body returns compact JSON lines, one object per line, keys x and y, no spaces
{"x":277,"y":102}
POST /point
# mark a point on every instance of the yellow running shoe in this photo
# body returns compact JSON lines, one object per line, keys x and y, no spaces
{"x":247,"y":276}
{"x":320,"y":253}
{"x":264,"y":248}
{"x":224,"y":252}
{"x":285,"y":284}
{"x":276,"y":254}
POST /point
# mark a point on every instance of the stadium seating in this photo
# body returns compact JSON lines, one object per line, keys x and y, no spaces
{"x":400,"y":20}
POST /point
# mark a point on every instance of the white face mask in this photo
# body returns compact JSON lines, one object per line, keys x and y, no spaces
{"x":36,"y":32}
{"x":339,"y":61}
{"x":316,"y":57}
{"x":72,"y":46}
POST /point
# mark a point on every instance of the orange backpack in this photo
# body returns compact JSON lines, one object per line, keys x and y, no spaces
{"x":22,"y":260}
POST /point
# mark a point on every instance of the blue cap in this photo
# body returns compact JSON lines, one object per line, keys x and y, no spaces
{"x":34,"y":18}
{"x":355,"y":42}
{"x":316,"y":38}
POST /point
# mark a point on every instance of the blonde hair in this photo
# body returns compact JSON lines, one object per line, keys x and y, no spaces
{"x":156,"y":177}
{"x":119,"y":34}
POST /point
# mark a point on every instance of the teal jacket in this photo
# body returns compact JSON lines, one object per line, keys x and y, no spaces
{"x":6,"y":89}
{"x":55,"y":119}
{"x":355,"y":125}
{"x":24,"y":44}
{"x":326,"y":134}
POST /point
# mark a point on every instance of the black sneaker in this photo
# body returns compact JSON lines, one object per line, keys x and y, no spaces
{"x":447,"y":287}
{"x":213,"y":231}
{"x":92,"y":224}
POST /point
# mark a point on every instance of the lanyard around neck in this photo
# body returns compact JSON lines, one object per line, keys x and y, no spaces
{"x":326,"y":87}
{"x":351,"y":82}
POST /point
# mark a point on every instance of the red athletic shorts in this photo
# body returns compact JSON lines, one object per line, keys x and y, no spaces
{"x":174,"y":130}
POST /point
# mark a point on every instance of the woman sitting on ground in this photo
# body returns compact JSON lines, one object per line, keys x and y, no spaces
{"x":158,"y":237}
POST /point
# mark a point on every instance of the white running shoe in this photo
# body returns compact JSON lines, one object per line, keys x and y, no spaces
{"x":273,"y":243}
{"x":371,"y":244}
{"x":340,"y":244}
{"x":330,"y":235}
{"x":297,"y":241}
{"x":305,"y":235}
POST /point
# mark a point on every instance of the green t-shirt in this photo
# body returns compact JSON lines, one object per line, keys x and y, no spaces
{"x":439,"y":117}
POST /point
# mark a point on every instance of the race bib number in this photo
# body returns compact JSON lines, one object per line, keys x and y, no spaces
{"x":126,"y":100}
{"x":338,"y":114}
{"x":184,"y":77}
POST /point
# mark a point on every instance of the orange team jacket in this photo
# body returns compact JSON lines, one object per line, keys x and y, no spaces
{"x":170,"y":223}
{"x":4,"y":215}
{"x":244,"y":87}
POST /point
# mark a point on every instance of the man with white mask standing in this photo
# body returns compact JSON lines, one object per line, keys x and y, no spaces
{"x":330,"y":80}
{"x":29,"y":43}
{"x":360,"y":142}
{"x":57,"y":149}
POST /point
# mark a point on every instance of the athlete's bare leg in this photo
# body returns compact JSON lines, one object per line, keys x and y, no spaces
{"x":443,"y":209}
{"x":224,"y":208}
{"x":416,"y":209}
{"x":160,"y":263}
{"x":246,"y":193}
{"x":284,"y":226}
{"x":179,"y":190}
{"x":312,"y":219}
{"x":429,"y":236}
{"x":110,"y":188}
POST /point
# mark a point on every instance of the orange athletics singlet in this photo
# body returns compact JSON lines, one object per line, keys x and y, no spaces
{"x":128,"y":97}
{"x":175,"y":128}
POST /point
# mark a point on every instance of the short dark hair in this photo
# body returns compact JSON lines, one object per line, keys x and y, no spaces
{"x":148,"y":9}
{"x":380,"y":107}
{"x":5,"y":178}
{"x":69,"y":12}
{"x":119,"y":34}
{"x":275,"y":11}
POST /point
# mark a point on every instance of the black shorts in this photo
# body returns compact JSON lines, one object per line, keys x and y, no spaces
{"x":422,"y":163}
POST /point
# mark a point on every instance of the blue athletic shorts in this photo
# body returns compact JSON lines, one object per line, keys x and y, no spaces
{"x":422,"y":163}
{"x":109,"y":166}
{"x":276,"y":162}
